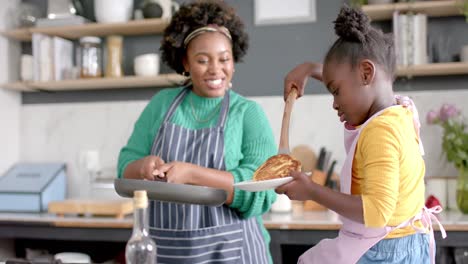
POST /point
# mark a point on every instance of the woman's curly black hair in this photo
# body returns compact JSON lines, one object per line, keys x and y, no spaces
{"x":195,"y":15}
{"x":358,"y":39}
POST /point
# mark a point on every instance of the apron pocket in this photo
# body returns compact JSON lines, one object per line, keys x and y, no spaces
{"x":220,"y":244}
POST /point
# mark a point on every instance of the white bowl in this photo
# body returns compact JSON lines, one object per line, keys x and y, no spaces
{"x":72,"y":257}
{"x":146,"y":64}
{"x":111,"y":11}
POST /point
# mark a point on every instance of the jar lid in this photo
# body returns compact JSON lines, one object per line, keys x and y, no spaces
{"x":90,"y":39}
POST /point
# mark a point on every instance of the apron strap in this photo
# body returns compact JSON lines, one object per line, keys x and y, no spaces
{"x":179,"y":98}
{"x":224,"y":110}
{"x":427,"y":217}
{"x":406,"y":102}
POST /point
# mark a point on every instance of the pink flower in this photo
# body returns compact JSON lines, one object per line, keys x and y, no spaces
{"x":432,"y":117}
{"x":448,"y":111}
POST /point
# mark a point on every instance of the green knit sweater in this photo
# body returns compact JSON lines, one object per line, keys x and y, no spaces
{"x":248,"y":140}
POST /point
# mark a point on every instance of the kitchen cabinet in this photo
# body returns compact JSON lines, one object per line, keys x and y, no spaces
{"x":381,"y":12}
{"x":131,"y":28}
{"x":291,"y":233}
{"x":294,"y":233}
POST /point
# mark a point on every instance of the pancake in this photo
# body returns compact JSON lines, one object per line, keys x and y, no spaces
{"x":277,"y":166}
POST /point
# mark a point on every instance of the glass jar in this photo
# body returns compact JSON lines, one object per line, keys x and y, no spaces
{"x":90,"y":59}
{"x":462,"y":190}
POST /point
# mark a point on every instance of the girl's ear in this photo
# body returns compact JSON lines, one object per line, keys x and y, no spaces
{"x":367,"y":71}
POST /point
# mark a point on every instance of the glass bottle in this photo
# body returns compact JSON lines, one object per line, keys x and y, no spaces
{"x":114,"y":56}
{"x":140,"y":248}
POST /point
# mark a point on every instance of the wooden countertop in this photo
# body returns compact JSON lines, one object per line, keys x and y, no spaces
{"x":328,"y":220}
{"x":297,"y":220}
{"x":66,"y":221}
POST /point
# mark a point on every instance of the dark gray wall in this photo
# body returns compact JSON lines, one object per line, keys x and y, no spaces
{"x":273,"y":51}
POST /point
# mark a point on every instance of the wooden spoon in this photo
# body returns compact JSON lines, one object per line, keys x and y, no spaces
{"x":284,"y":137}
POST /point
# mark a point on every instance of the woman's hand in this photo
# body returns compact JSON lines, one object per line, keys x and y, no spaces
{"x":298,"y":77}
{"x":177,"y":172}
{"x":148,"y":165}
{"x":299,"y":188}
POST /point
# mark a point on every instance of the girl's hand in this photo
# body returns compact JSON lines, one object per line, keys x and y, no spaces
{"x":148,"y":165}
{"x":176,"y":172}
{"x":298,"y":77}
{"x":298,"y":189}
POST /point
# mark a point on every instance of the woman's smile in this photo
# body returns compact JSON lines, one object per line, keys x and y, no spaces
{"x":217,"y":83}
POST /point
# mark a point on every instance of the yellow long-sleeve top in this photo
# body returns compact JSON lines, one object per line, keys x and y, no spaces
{"x":388,"y":171}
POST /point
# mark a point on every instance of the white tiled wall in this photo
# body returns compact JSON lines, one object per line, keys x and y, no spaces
{"x":54,"y":132}
{"x":10,"y":102}
{"x":10,"y":106}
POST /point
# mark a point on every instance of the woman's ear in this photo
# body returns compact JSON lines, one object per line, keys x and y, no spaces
{"x":367,"y":71}
{"x":185,"y":64}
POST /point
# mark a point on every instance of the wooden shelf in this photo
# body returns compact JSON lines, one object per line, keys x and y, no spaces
{"x":431,"y":8}
{"x":162,"y":80}
{"x":133,"y":27}
{"x":19,"y":34}
{"x":19,"y":86}
{"x":433,"y":69}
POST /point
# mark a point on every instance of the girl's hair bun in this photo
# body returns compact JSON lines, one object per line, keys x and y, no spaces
{"x":352,"y":25}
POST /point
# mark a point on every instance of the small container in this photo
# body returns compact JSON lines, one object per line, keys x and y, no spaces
{"x":90,"y":59}
{"x":282,"y":205}
{"x":146,"y":64}
{"x":114,"y":56}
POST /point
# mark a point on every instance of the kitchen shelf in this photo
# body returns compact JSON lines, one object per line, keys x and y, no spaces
{"x":162,"y":80}
{"x":18,"y":34}
{"x":431,"y":8}
{"x":433,"y":69}
{"x":133,"y":27}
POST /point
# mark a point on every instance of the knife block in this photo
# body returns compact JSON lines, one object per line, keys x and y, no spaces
{"x":318,"y":177}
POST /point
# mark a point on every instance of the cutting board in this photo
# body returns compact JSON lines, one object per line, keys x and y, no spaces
{"x":116,"y":208}
{"x":318,"y":177}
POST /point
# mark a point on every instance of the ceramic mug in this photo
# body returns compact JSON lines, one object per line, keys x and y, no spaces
{"x":146,"y":64}
{"x":111,"y":11}
{"x":282,"y":204}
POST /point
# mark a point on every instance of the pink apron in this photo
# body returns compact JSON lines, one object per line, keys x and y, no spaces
{"x":354,"y":239}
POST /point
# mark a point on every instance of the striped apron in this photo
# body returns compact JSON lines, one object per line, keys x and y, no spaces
{"x":191,"y":233}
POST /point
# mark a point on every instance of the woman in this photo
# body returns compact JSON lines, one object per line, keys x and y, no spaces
{"x":204,"y":134}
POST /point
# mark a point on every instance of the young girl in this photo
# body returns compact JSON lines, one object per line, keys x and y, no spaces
{"x":381,"y":202}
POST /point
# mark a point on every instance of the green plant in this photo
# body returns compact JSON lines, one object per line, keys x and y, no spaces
{"x":358,"y":3}
{"x":455,"y":136}
{"x":463,"y":6}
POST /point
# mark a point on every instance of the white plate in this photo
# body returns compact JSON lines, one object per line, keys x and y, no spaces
{"x":257,"y":186}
